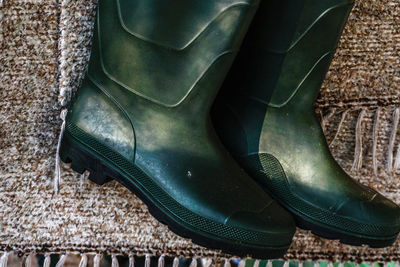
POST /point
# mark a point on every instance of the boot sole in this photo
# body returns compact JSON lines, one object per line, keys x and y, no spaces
{"x":82,"y":158}
{"x":348,"y":239}
{"x":325,"y":231}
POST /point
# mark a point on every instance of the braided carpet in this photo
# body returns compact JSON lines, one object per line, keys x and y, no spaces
{"x":44,"y":48}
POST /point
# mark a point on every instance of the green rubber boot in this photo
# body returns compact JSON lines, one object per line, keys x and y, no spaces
{"x":265,"y":117}
{"x":141,"y":117}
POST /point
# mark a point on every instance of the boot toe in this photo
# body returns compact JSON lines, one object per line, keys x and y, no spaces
{"x":384,"y":212}
{"x":377,"y":217}
{"x":272,"y":222}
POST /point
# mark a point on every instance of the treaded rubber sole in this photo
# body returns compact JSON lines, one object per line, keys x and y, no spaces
{"x":83,"y":159}
{"x":328,"y":233}
{"x":342,"y":237}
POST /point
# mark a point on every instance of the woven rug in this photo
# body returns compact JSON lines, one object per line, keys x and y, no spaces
{"x":44,"y":46}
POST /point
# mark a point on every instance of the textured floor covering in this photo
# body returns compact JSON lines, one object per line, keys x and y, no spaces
{"x":43,"y":51}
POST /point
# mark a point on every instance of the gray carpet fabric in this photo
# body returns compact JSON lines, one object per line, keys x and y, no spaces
{"x":44,"y":46}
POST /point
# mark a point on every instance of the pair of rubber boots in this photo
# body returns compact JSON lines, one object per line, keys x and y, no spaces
{"x":239,"y":173}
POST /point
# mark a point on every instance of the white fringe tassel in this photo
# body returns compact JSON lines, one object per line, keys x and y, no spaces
{"x":397,"y":158}
{"x":227,"y":263}
{"x":82,"y":178}
{"x":396,"y":165}
{"x":207,"y":262}
{"x":131,"y":261}
{"x":161,"y":261}
{"x":114,"y":261}
{"x":57,"y":176}
{"x":392,"y":139}
{"x":47,"y":260}
{"x":147,"y":261}
{"x":358,"y":153}
{"x":375,"y":141}
{"x":175,"y":263}
{"x":96,"y":260}
{"x":193,"y":263}
{"x":61,"y":261}
{"x":3,"y":259}
{"x":339,"y":126}
{"x":84,"y":261}
{"x":242,"y":263}
{"x":28,"y":261}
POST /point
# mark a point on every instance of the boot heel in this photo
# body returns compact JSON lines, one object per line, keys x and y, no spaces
{"x":82,"y":161}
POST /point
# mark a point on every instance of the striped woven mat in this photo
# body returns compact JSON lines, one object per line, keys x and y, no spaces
{"x":44,"y":48}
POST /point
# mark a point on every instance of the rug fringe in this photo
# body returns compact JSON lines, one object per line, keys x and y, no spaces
{"x":114,"y":261}
{"x":30,"y":260}
{"x":393,"y":157}
{"x":339,"y":127}
{"x":375,"y":134}
{"x":131,"y":260}
{"x":82,"y":178}
{"x":396,"y":165}
{"x":61,"y":261}
{"x":242,"y":263}
{"x":3,"y":259}
{"x":147,"y":261}
{"x":57,"y":176}
{"x":96,"y":260}
{"x":84,"y":261}
{"x":47,"y":260}
{"x":207,"y":262}
{"x":193,"y":263}
{"x":161,"y":261}
{"x":396,"y":115}
{"x":358,"y":151}
{"x":175,"y":263}
{"x":227,"y":263}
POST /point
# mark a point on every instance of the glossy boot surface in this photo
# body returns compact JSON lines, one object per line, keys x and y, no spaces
{"x":265,"y":117}
{"x":141,"y":117}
